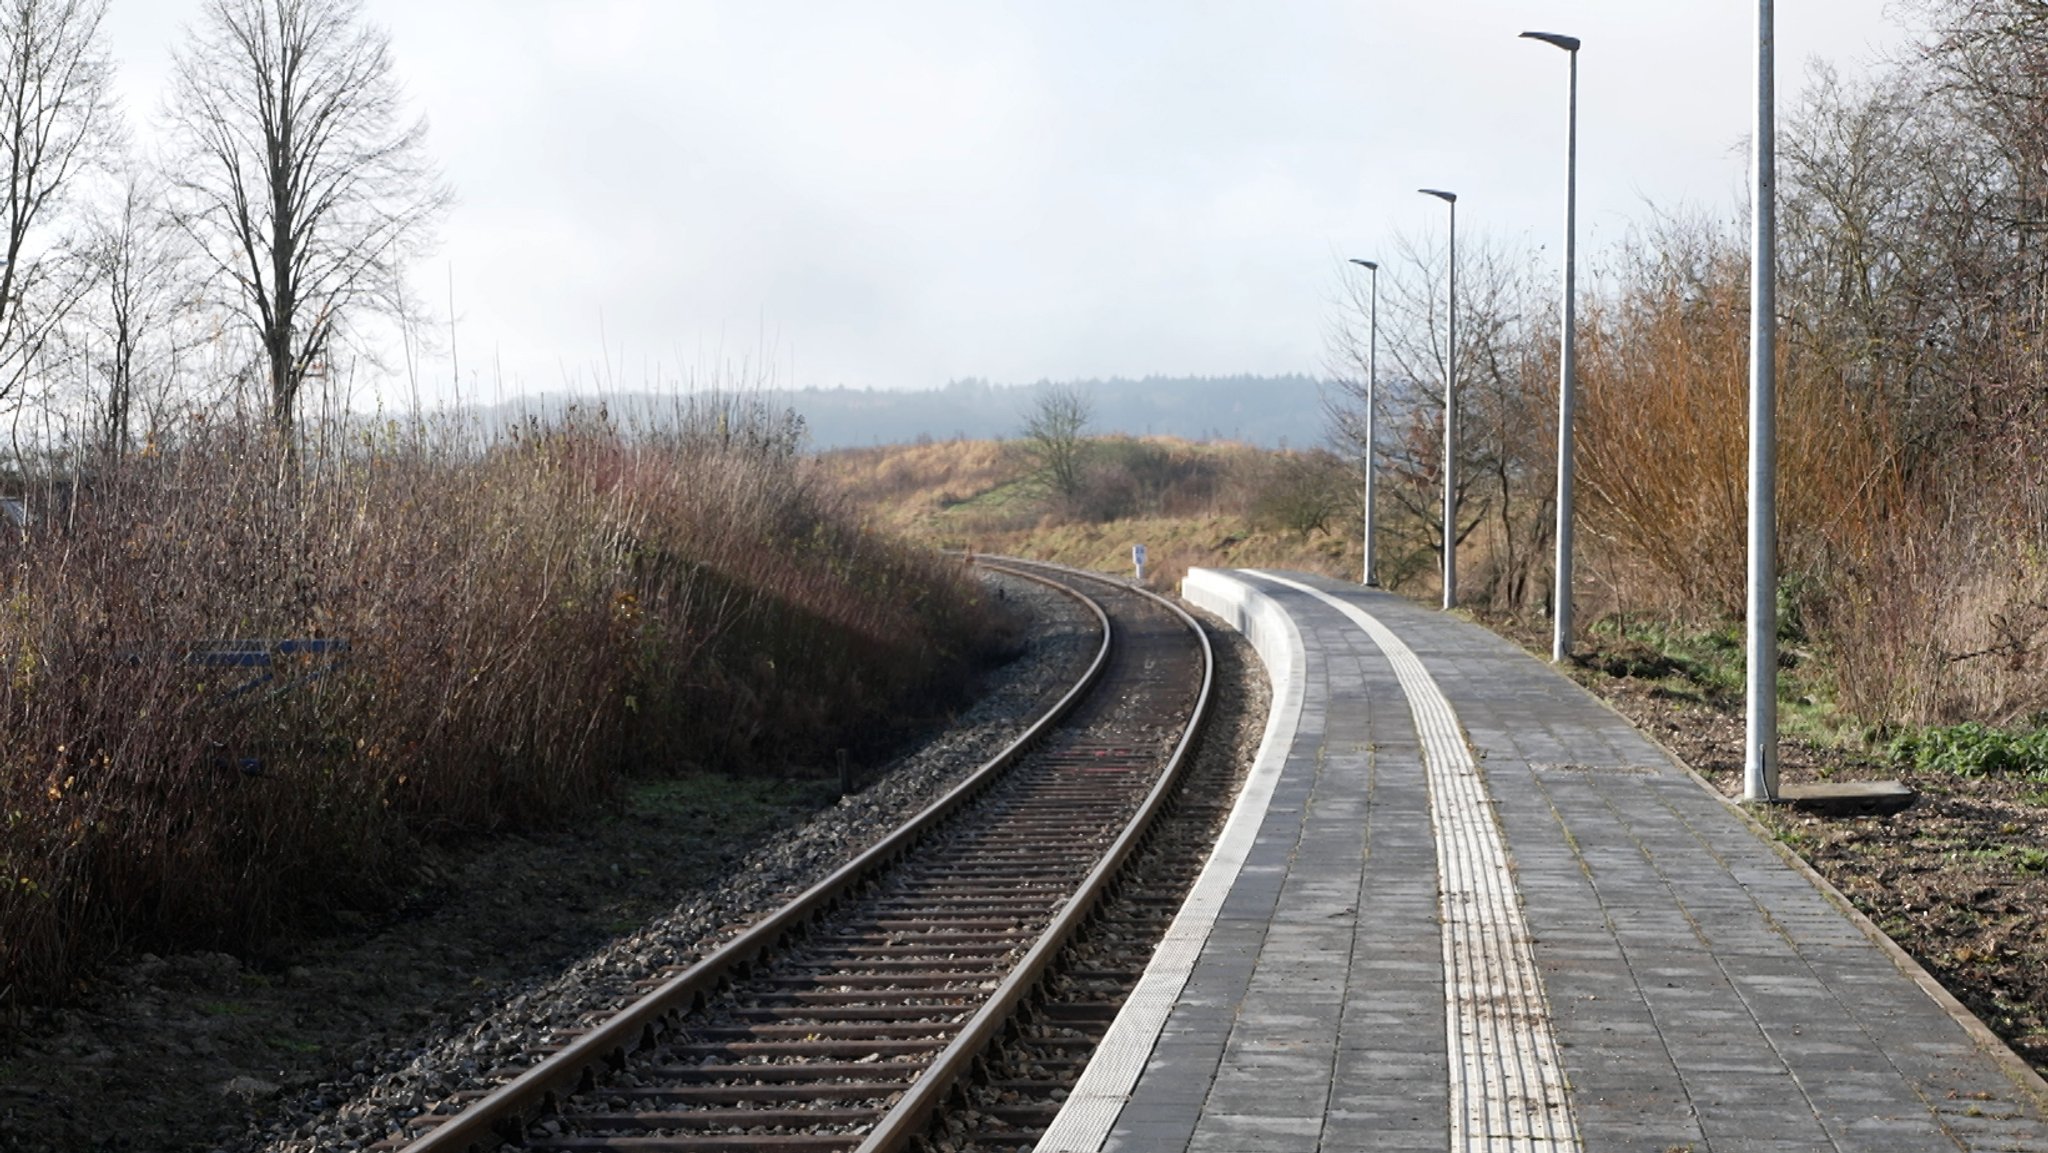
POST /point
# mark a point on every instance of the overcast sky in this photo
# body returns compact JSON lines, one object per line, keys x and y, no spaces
{"x":897,"y":193}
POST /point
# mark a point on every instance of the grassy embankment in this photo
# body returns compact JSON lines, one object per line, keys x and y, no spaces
{"x":1189,"y":504}
{"x":1231,"y":505}
{"x":529,"y":623}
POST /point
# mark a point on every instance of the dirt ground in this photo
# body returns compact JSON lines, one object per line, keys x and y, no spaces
{"x":194,"y":1051}
{"x":1959,"y":880}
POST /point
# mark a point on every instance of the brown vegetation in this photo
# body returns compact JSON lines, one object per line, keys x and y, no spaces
{"x":1189,"y":504}
{"x":1913,"y":502}
{"x":523,"y":623}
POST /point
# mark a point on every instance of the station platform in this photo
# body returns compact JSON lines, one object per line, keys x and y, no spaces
{"x":1463,"y":905}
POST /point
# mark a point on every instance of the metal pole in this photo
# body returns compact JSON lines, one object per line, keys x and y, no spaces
{"x":1760,"y":745}
{"x":1450,"y":525}
{"x":1567,"y":360}
{"x":1372,"y":435}
{"x":1370,"y":572}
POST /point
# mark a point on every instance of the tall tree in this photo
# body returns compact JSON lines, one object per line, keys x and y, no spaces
{"x":300,"y":176}
{"x":1505,"y":406}
{"x":56,"y":120}
{"x":138,"y":264}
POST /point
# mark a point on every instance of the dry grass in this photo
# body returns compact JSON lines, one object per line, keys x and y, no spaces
{"x":1663,"y":445}
{"x":1189,"y":504}
{"x":1929,"y":601}
{"x":907,"y":483}
{"x":525,"y":623}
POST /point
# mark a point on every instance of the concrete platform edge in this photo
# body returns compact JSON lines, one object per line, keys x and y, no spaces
{"x":1084,"y":1123}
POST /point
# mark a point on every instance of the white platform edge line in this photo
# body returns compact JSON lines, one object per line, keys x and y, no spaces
{"x":1483,"y":915}
{"x":1085,"y":1120}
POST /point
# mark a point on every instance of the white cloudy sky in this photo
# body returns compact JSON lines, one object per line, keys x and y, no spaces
{"x":900,"y":192}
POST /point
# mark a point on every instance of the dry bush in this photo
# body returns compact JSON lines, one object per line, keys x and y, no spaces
{"x":1131,"y":476}
{"x":523,"y":624}
{"x":1942,"y":618}
{"x":1304,"y":493}
{"x":1662,"y":437}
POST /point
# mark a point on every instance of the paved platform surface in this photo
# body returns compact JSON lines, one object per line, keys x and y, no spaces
{"x":1698,"y":990}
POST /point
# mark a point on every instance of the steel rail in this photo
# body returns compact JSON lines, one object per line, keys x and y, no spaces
{"x":500,"y":1116}
{"x":913,"y":1112}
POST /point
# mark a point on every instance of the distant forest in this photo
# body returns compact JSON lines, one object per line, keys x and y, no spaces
{"x":1269,"y":411}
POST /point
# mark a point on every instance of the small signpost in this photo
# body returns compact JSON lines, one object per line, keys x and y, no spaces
{"x":1138,"y":561}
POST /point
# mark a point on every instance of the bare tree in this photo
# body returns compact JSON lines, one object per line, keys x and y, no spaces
{"x":1055,"y":438}
{"x":300,"y":177}
{"x":138,"y":261}
{"x":1504,"y":406}
{"x":56,"y":121}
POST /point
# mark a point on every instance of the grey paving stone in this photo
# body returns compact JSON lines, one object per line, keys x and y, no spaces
{"x":1704,"y":995}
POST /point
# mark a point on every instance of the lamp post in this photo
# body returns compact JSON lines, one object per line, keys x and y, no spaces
{"x":1567,"y":358}
{"x":1370,"y":574}
{"x":1760,"y":743}
{"x":1450,"y":528}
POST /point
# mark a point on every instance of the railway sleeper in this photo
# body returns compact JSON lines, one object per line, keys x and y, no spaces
{"x":797,"y":1050}
{"x":764,"y":1073}
{"x":787,"y":1091}
{"x":699,"y":1119}
{"x":879,"y":1030}
{"x":764,"y":1142}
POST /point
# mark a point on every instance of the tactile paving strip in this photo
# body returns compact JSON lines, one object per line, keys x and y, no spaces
{"x":1507,"y":1082}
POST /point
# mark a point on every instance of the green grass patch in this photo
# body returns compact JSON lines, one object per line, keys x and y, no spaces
{"x":1973,"y":750}
{"x":1689,"y":664}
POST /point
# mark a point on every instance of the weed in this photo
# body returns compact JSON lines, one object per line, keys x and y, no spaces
{"x":1975,"y":750}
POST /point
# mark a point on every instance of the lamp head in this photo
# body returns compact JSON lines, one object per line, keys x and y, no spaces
{"x":1440,"y":194}
{"x":1568,"y":43}
{"x":1365,"y":264}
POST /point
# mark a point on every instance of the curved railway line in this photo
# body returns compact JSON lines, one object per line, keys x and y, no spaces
{"x":963,"y":963}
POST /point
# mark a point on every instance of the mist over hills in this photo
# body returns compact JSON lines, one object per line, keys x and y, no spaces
{"x":1263,"y":410}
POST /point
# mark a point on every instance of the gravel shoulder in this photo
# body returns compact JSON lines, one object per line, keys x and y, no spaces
{"x":323,"y":1041}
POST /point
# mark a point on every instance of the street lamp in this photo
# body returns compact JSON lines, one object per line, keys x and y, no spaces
{"x":1450,"y":415}
{"x":1567,"y":359}
{"x":1370,"y":575}
{"x":1760,"y":740}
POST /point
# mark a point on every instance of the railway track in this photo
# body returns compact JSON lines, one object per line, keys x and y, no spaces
{"x":846,"y":1020}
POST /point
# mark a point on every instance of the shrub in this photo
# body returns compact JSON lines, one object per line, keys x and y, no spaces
{"x":525,"y":622}
{"x":1303,"y":492}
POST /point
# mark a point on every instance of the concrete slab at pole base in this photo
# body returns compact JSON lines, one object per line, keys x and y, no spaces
{"x":1850,"y":798}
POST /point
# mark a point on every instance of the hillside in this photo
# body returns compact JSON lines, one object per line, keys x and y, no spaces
{"x":1190,"y":504}
{"x":1269,"y":411}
